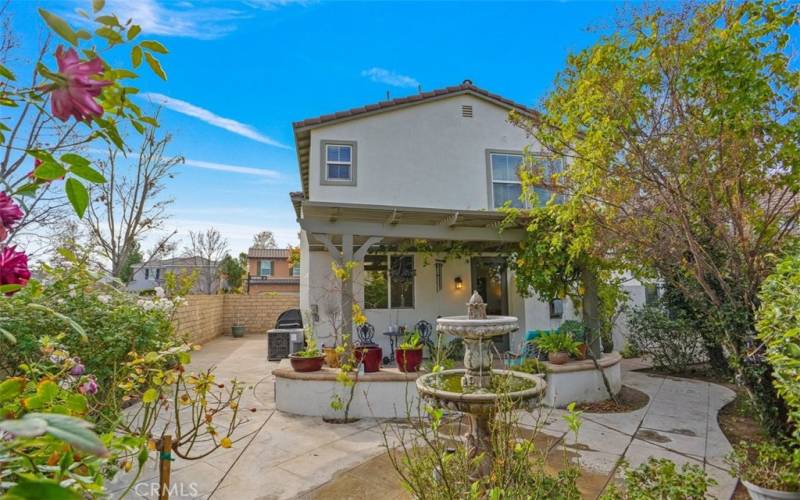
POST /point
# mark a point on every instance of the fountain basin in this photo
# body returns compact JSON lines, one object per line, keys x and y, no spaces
{"x":444,"y":389}
{"x":476,"y":329}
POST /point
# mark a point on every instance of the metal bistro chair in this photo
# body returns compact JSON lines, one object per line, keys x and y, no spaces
{"x":425,"y":330}
{"x":365,"y":334}
{"x":528,"y":350}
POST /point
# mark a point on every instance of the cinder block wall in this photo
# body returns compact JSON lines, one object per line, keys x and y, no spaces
{"x":258,"y":313}
{"x":204,"y":317}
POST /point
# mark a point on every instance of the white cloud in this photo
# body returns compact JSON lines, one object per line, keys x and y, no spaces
{"x":207,"y":116}
{"x":237,"y":169}
{"x":381,"y":75}
{"x":180,"y":19}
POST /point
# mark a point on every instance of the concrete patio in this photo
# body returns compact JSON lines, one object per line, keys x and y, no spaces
{"x":280,"y":456}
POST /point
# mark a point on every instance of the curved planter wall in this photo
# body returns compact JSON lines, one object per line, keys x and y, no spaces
{"x":580,"y":382}
{"x":388,"y":393}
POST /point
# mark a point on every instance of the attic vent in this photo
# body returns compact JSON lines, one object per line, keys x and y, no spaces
{"x":466,"y":111}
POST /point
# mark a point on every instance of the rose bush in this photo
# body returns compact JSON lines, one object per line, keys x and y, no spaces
{"x":104,"y":323}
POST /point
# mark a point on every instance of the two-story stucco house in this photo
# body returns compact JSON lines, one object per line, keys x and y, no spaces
{"x":269,"y":270}
{"x":433,"y":166}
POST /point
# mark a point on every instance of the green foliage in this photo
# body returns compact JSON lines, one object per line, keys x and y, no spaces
{"x":411,"y":340}
{"x":135,"y":257}
{"x":767,"y":464}
{"x":556,"y":342}
{"x":661,"y":478}
{"x":233,"y":272}
{"x":778,"y":327}
{"x":672,"y":341}
{"x":530,"y":365}
{"x":574,"y":329}
{"x":115,"y":322}
{"x":681,"y":132}
{"x":311,"y":350}
{"x":435,"y":469}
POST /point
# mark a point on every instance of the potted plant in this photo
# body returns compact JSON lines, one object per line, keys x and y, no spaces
{"x":309,"y":359}
{"x":331,"y":356}
{"x":369,"y":355}
{"x":577,"y":331}
{"x":237,"y":329}
{"x":409,"y":352}
{"x":557,"y":345}
{"x":768,"y":470}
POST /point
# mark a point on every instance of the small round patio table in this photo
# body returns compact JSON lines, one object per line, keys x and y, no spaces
{"x":393,"y":337}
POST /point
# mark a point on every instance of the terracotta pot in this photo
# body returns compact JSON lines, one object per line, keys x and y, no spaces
{"x":300,"y":364}
{"x":582,"y":348}
{"x":331,"y":357}
{"x":408,"y":360}
{"x":759,"y":493}
{"x":558,"y":358}
{"x":371,"y":355}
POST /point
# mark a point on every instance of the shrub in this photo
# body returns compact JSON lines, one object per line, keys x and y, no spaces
{"x":768,"y":465}
{"x":660,"y":478}
{"x":575,"y":329}
{"x":531,"y":365}
{"x":93,"y":320}
{"x":778,"y":326}
{"x":435,"y":466}
{"x":671,"y":340}
{"x":556,"y":342}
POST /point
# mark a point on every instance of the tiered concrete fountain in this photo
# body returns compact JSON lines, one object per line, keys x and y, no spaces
{"x":472,"y":390}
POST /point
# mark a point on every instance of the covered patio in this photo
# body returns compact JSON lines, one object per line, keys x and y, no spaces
{"x":444,"y":245}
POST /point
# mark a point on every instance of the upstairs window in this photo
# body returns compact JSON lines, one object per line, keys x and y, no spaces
{"x":506,"y":184}
{"x":339,"y":163}
{"x":265,"y":268}
{"x":296,"y":270}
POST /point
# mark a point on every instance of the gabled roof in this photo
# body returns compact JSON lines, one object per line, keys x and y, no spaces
{"x":302,"y":129}
{"x":268,"y":253}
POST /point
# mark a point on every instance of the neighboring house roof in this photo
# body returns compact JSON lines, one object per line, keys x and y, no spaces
{"x":302,"y":135}
{"x":268,"y":253}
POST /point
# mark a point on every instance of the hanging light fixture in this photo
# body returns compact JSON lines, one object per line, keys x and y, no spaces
{"x":459,"y":283}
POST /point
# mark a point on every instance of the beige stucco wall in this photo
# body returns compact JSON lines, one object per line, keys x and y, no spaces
{"x":203,"y":317}
{"x":419,"y":156}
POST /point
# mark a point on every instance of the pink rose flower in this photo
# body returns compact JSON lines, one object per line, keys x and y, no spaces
{"x":75,"y":96}
{"x":10,"y":214}
{"x":13,"y":268}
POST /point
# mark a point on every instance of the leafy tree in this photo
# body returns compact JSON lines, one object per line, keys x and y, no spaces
{"x":264,"y":239}
{"x":233,"y":272}
{"x":135,"y":257}
{"x":681,"y":133}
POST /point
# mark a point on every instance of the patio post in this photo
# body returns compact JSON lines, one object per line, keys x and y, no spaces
{"x":348,"y":253}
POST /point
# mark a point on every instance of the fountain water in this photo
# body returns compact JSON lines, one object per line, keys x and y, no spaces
{"x":473,"y":389}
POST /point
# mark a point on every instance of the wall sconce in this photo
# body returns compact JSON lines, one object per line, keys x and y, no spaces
{"x":459,"y":283}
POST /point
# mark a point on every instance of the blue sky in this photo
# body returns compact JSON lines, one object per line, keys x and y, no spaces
{"x":239,"y":74}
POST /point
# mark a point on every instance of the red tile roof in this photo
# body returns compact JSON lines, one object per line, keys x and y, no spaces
{"x":466,"y":86}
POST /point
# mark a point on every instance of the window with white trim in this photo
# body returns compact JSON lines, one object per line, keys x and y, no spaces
{"x":338,"y":162}
{"x":296,"y":270}
{"x":265,"y":268}
{"x":506,"y":183}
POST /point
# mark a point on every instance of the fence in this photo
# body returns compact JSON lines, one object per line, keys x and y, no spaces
{"x":204,"y":317}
